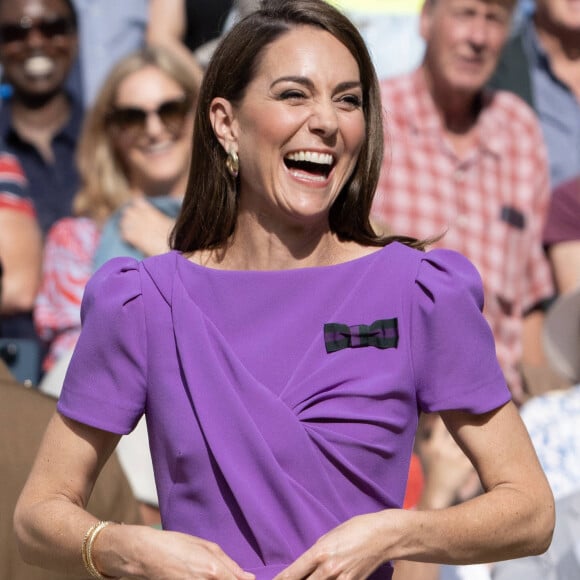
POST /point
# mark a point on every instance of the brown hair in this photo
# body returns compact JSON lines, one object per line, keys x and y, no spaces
{"x":209,"y":211}
{"x":104,"y":183}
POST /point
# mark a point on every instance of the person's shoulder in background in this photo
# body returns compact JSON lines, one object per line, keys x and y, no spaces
{"x":13,"y":185}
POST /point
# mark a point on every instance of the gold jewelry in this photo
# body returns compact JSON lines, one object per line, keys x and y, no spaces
{"x":87,"y":548}
{"x":233,"y":163}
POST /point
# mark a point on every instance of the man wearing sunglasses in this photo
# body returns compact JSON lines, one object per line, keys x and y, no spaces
{"x":40,"y":123}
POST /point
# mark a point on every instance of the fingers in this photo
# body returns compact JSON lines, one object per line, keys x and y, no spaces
{"x":322,"y":563}
{"x":330,"y":567}
{"x":141,"y":213}
{"x":352,"y":550}
{"x":298,"y":570}
{"x":139,"y":209}
{"x":231,"y":565}
{"x":145,"y":227}
{"x":306,"y":564}
{"x":177,"y":555}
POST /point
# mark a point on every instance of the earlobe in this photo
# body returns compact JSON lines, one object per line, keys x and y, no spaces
{"x":221,"y":114}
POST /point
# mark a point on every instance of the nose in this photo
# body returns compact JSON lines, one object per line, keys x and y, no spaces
{"x":323,"y":119}
{"x":35,"y":38}
{"x":478,"y":33}
{"x":153,"y":124}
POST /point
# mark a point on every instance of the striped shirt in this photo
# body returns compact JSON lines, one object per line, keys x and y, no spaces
{"x":14,"y":186}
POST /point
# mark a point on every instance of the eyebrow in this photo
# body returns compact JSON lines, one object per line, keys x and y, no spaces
{"x":344,"y":86}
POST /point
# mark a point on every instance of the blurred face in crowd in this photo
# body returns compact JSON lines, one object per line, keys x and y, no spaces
{"x":562,"y":14}
{"x":464,"y":41}
{"x":151,"y":124}
{"x":38,"y":44}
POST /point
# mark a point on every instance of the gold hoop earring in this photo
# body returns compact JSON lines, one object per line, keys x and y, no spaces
{"x":233,"y":163}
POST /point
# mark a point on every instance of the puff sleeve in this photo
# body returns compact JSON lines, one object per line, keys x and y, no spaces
{"x":105,"y":385}
{"x":453,"y":350}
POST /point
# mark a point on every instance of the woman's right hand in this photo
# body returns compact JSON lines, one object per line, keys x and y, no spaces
{"x":145,"y":227}
{"x":151,"y":554}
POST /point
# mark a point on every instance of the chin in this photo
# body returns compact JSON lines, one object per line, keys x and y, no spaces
{"x":469,"y":88}
{"x":471,"y":82}
{"x":38,"y":87}
{"x":162,"y":178}
{"x":310,"y":217}
{"x":159,"y":167}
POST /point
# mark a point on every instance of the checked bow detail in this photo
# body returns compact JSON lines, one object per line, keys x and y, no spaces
{"x":380,"y":334}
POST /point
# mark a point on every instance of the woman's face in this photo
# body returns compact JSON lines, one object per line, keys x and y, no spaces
{"x":151,"y":123}
{"x":299,"y":128}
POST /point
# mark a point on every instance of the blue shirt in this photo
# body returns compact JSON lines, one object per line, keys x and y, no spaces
{"x":558,"y":110}
{"x":112,"y":244}
{"x":52,"y":186}
{"x":108,"y":31}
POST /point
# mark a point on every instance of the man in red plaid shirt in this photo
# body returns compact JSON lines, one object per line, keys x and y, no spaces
{"x":471,"y":164}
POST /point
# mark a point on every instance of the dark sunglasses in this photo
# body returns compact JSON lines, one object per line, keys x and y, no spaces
{"x":49,"y":28}
{"x":134,"y":119}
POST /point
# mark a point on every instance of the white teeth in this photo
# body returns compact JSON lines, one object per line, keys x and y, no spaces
{"x":38,"y":66}
{"x":311,"y":157}
{"x":157,"y":147}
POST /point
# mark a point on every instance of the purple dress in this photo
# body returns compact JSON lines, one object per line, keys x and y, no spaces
{"x":281,"y":403}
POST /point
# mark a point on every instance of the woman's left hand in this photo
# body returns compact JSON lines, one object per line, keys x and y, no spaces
{"x":353,"y":550}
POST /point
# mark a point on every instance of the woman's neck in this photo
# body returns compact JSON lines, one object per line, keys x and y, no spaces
{"x":257,"y":246}
{"x":172,"y":188}
{"x":254,"y":246}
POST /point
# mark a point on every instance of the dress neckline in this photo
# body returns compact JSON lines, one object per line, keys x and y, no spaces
{"x":361,"y":260}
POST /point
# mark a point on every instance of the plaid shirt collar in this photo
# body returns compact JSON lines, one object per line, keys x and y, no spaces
{"x":491,"y":129}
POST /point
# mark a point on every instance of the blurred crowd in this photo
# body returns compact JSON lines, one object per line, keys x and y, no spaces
{"x":482,"y":155}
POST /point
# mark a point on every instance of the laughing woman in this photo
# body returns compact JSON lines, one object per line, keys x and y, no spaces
{"x":281,"y":351}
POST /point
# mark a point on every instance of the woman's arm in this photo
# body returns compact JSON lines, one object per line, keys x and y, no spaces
{"x":50,"y":520}
{"x":565,"y":260}
{"x":166,"y":28}
{"x":514,"y":517}
{"x":21,"y":256}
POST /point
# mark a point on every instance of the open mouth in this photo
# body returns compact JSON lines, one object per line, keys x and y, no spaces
{"x":38,"y":66}
{"x":154,"y":148}
{"x":310,"y":163}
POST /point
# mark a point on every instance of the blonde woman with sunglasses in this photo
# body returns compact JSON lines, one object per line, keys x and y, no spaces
{"x":134,"y":149}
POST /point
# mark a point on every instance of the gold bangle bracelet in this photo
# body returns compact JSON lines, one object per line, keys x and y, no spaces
{"x":87,"y":549}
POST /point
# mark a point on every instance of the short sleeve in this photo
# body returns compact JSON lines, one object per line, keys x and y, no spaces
{"x":452,"y":346}
{"x":105,"y":385}
{"x":14,"y":193}
{"x":13,"y":202}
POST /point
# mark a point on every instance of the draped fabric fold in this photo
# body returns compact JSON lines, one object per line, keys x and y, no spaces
{"x":250,"y":430}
